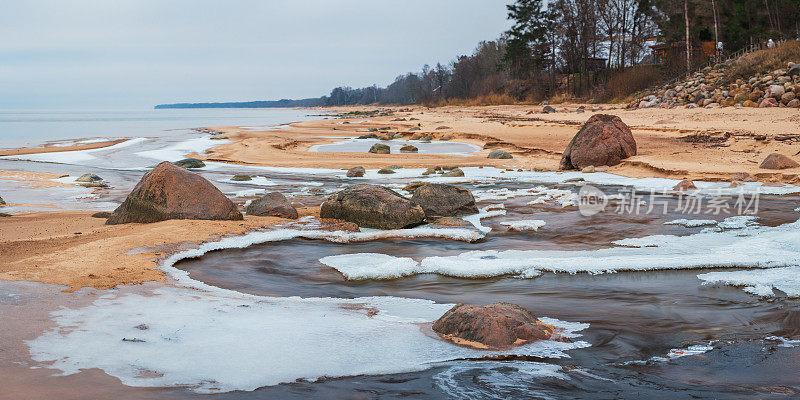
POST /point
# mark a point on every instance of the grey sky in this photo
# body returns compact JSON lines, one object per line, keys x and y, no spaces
{"x":82,"y":54}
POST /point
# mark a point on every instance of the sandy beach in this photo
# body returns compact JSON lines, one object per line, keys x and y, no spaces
{"x":71,"y":248}
{"x":708,"y":144}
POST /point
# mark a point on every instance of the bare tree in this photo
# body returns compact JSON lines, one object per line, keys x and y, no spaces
{"x":688,"y":41}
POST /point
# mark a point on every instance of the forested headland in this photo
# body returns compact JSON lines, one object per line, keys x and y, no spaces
{"x":594,"y":50}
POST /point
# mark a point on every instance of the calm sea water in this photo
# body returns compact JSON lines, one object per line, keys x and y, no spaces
{"x":25,"y":128}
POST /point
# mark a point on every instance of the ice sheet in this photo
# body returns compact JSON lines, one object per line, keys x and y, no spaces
{"x":214,"y":340}
{"x":751,"y":246}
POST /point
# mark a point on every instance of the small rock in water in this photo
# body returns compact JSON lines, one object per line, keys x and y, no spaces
{"x":190,"y":163}
{"x":2,"y":202}
{"x":778,"y":161}
{"x":355,"y":172}
{"x":272,"y":205}
{"x":368,"y":136}
{"x":496,"y":326}
{"x":684,"y":186}
{"x":385,"y":171}
{"x":409,"y":149}
{"x":500,"y":155}
{"x":588,"y":170}
{"x":380,"y":148}
{"x":429,"y":171}
{"x":457,"y":172}
{"x":742,"y":177}
{"x":142,"y":327}
{"x":548,"y":110}
{"x":451,"y":222}
{"x":441,"y":200}
{"x":242,"y":178}
{"x":88,"y":178}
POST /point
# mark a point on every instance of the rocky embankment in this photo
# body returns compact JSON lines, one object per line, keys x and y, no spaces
{"x":713,"y":87}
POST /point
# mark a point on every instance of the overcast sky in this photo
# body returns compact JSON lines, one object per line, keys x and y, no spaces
{"x":117,"y":54}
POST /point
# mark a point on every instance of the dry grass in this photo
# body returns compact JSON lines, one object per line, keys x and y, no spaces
{"x":764,"y":61}
{"x":561,"y":98}
{"x":629,"y":81}
{"x":494,"y":99}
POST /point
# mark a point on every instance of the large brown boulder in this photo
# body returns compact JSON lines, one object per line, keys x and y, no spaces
{"x":441,"y":200}
{"x":496,"y":326}
{"x":603,"y":140}
{"x":171,"y":192}
{"x":373,"y":206}
{"x":778,"y":161}
{"x":272,"y":205}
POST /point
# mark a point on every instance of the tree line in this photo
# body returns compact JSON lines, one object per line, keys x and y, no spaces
{"x":551,"y":38}
{"x":553,"y":41}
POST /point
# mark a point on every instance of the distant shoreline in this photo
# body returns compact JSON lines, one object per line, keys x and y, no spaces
{"x":284,"y":103}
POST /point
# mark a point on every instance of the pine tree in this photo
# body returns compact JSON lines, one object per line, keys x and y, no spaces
{"x":528,"y":48}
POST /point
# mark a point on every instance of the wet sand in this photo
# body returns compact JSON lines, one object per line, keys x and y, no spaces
{"x":58,"y":149}
{"x":708,"y":144}
{"x":73,"y":249}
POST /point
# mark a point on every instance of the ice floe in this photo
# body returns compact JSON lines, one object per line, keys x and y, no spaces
{"x":371,"y":265}
{"x":738,"y":222}
{"x":255,"y":180}
{"x":524,"y":225}
{"x":692,"y":350}
{"x":751,"y":247}
{"x":179,"y":151}
{"x":691,"y":223}
{"x":562,"y":196}
{"x":485,"y":212}
{"x":73,"y":157}
{"x":759,"y":282}
{"x":784,"y":342}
